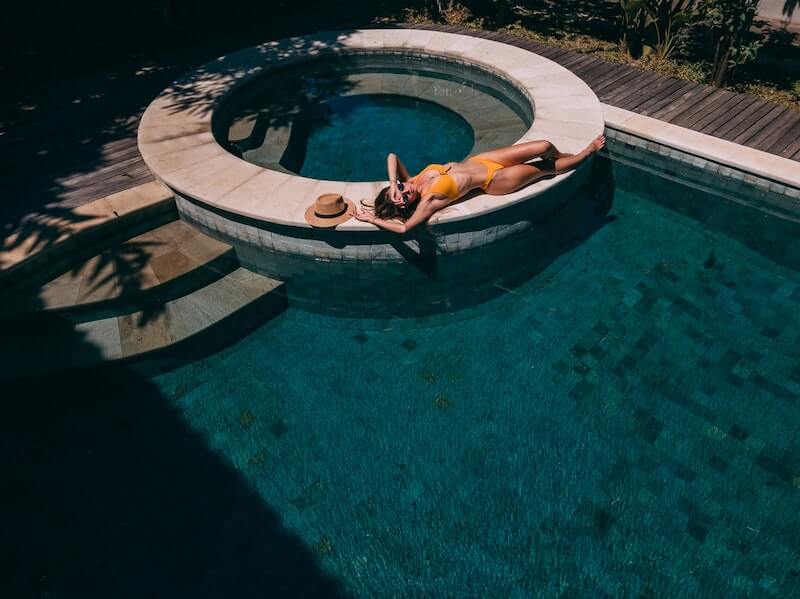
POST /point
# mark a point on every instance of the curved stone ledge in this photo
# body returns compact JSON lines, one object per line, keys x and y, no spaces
{"x":177,"y":142}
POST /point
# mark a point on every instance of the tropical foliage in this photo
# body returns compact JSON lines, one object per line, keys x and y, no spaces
{"x":634,"y":21}
{"x":670,"y":19}
{"x":654,"y":26}
{"x":729,"y":23}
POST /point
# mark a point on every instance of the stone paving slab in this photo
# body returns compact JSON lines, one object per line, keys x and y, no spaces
{"x":136,"y":334}
{"x":143,"y":263}
{"x":43,"y":235}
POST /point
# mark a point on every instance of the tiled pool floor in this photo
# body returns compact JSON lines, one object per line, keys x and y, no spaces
{"x":626,"y":424}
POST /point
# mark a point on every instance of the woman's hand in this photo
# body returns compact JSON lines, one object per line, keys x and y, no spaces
{"x":396,"y":196}
{"x":363,"y":215}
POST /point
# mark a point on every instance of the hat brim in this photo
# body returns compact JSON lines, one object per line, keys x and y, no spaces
{"x":328,"y":223}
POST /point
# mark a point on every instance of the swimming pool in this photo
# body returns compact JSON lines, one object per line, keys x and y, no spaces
{"x":625,"y":423}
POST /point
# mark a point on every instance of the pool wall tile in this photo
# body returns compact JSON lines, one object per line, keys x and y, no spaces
{"x":708,"y":175}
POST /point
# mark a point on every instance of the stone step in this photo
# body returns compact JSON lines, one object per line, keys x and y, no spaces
{"x":159,"y":336}
{"x":45,"y":244}
{"x":162,"y":264}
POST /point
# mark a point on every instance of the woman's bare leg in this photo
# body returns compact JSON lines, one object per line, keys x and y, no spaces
{"x":522,"y":153}
{"x":516,"y":176}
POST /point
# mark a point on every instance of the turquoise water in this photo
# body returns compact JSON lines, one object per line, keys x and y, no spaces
{"x":337,"y":117}
{"x":361,"y":130}
{"x":625,"y":424}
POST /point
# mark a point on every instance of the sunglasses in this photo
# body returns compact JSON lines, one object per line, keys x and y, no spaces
{"x":406,"y":195}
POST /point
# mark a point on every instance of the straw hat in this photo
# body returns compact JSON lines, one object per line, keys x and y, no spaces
{"x":329,"y":210}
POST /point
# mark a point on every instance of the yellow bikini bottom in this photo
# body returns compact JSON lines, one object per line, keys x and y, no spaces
{"x":491,"y":168}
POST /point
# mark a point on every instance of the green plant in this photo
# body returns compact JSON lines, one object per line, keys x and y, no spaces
{"x":634,"y":19}
{"x":669,"y":19}
{"x":730,"y":23}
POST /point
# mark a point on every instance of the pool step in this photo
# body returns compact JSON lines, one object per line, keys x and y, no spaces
{"x":162,"y":264}
{"x":45,"y":244}
{"x":179,"y":329}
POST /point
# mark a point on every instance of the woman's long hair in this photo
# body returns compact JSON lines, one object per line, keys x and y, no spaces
{"x":386,"y":209}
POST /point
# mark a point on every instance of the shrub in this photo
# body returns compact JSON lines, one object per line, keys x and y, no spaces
{"x":730,"y":23}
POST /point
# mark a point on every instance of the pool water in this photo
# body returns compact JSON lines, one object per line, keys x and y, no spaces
{"x":336,"y":118}
{"x":624,"y":424}
{"x":361,"y":130}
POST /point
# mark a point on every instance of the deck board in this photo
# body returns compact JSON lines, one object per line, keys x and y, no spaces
{"x":662,"y":86}
{"x":739,"y":114}
{"x":759,"y":125}
{"x":726,"y":106}
{"x":753,"y":116}
{"x":75,"y":153}
{"x":656,"y":103}
{"x":788,"y":137}
{"x":769,"y":135}
{"x":688,"y":104}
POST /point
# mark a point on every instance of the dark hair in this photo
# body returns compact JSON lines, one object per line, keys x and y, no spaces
{"x":386,"y":209}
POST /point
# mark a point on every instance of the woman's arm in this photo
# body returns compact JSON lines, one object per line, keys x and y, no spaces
{"x":424,"y":211}
{"x":402,"y":170}
{"x":396,"y":169}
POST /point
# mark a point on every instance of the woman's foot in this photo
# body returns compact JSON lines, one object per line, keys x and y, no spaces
{"x":598,"y":143}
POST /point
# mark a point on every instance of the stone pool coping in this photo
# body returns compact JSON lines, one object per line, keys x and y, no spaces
{"x":177,"y":142}
{"x":730,"y":154}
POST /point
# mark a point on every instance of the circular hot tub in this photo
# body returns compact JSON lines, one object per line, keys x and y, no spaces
{"x":336,"y":118}
{"x":248,"y":141}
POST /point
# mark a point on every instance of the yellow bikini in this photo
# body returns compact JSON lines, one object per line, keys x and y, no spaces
{"x":491,"y":168}
{"x":446,"y":185}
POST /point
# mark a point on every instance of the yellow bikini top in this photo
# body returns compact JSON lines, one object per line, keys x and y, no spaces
{"x":444,"y":184}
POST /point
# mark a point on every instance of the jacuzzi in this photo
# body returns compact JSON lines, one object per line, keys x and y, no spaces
{"x":244,"y":142}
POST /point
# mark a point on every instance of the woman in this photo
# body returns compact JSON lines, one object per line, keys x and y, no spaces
{"x":413,"y":200}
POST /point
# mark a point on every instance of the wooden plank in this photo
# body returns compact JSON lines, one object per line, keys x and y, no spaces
{"x":690,"y":106}
{"x":736,"y":115}
{"x":764,"y":121}
{"x":689,"y":116}
{"x":587,"y":70}
{"x":790,"y":150}
{"x":575,"y":61}
{"x":669,"y":96}
{"x":686,"y":100}
{"x":711,"y":113}
{"x":532,"y":45}
{"x":660,"y":87}
{"x":72,"y":174}
{"x":614,"y":71}
{"x":729,"y":132}
{"x":776,"y":128}
{"x":74,"y":156}
{"x":130,"y":178}
{"x":553,"y":52}
{"x":597,"y":74}
{"x":586,"y":67}
{"x":785,"y":138}
{"x":641,"y":83}
{"x":613,"y":82}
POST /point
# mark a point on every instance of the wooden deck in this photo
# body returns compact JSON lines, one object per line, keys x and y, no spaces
{"x":740,"y":118}
{"x":84,"y":147}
